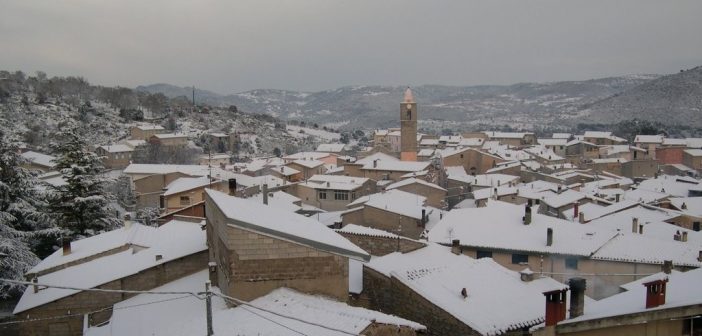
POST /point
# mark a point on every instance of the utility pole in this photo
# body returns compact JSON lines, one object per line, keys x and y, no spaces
{"x":193,"y":96}
{"x":208,"y":305}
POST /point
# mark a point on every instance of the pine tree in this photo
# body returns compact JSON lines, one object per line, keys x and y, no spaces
{"x":81,"y":206}
{"x":24,"y":224}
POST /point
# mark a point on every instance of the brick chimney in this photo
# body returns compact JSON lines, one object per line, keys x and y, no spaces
{"x":581,"y":217}
{"x":555,"y":306}
{"x":264,"y":190}
{"x":577,"y":296}
{"x":456,"y":246}
{"x":655,"y":293}
{"x":617,"y":197}
{"x":66,"y":245}
{"x":527,"y":214}
{"x":549,"y":237}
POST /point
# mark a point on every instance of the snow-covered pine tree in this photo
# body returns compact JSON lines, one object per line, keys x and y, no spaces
{"x":23,"y":222}
{"x":81,"y":206}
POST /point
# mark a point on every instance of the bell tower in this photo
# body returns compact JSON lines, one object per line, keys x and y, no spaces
{"x":408,"y":128}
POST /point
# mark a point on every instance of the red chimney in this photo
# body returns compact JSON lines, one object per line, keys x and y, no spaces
{"x":576,"y":213}
{"x":655,"y":293}
{"x":555,"y":306}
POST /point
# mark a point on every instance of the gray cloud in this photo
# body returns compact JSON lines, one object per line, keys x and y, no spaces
{"x":231,"y":46}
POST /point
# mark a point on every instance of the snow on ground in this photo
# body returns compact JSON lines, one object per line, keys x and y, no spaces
{"x":318,"y":133}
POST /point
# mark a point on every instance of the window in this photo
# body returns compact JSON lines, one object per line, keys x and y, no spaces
{"x":696,"y":226}
{"x":323,"y":194}
{"x":184,"y":200}
{"x":483,"y":254}
{"x":571,"y":263}
{"x":520,"y":258}
{"x":341,"y":195}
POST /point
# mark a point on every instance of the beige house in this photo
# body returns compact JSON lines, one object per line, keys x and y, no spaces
{"x":514,"y":139}
{"x":115,"y":156}
{"x":332,"y":192}
{"x":35,"y":161}
{"x":307,"y":168}
{"x":516,"y":238}
{"x":662,"y":304}
{"x":693,"y":159}
{"x":255,"y":249}
{"x":395,"y":211}
{"x":472,"y":160}
{"x":186,"y":191}
{"x":132,"y":258}
{"x":169,"y":139}
{"x":436,"y":196}
{"x":144,"y":132}
{"x":602,"y":138}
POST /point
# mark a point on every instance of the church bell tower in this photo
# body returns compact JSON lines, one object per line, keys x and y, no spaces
{"x":408,"y":125}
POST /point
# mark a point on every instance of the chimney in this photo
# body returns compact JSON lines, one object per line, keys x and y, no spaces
{"x":684,"y":236}
{"x":683,"y":206}
{"x":616,"y":197}
{"x":549,"y":237}
{"x":667,"y":267}
{"x":677,"y":236}
{"x":66,"y":244}
{"x":527,"y":215}
{"x":375,"y":163}
{"x":526,"y":275}
{"x":640,"y":228}
{"x":576,"y":213}
{"x":634,"y":225}
{"x":560,"y":188}
{"x":127,"y":222}
{"x":424,"y":217}
{"x":35,"y":287}
{"x":577,"y":296}
{"x":655,"y":293}
{"x":555,"y":306}
{"x":456,"y":246}
{"x":159,"y":257}
{"x":265,"y":193}
{"x":232,"y":186}
{"x":699,"y":256}
{"x":581,"y":217}
{"x":328,"y":184}
{"x":464,"y":293}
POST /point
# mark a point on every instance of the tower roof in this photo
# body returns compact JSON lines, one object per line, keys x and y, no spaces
{"x":408,"y":96}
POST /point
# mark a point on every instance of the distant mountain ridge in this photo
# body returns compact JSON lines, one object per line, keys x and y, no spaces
{"x":523,"y":105}
{"x":671,"y":99}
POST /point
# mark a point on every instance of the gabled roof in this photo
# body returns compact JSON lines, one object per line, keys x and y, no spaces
{"x":648,"y":139}
{"x":173,"y":240}
{"x":491,"y":306}
{"x":306,"y":156}
{"x":331,"y":148}
{"x":499,"y":225}
{"x":413,"y":181}
{"x":184,"y":184}
{"x":117,"y":148}
{"x":39,"y":158}
{"x":269,"y":221}
{"x":682,"y":290}
{"x":308,"y":163}
{"x":336,"y":182}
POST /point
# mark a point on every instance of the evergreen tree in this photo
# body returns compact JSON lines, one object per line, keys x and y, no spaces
{"x":82,"y":205}
{"x":23,"y":223}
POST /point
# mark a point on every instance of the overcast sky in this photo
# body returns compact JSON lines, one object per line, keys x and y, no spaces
{"x":233,"y":46}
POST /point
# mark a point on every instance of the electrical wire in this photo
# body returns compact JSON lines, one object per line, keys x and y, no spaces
{"x":93,"y":312}
{"x":244,"y":303}
{"x":100,"y":289}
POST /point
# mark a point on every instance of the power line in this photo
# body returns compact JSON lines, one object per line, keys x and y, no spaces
{"x":197,"y":295}
{"x":93,"y":312}
{"x":244,"y":303}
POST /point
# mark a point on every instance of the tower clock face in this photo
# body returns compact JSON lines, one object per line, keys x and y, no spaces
{"x":409,"y":106}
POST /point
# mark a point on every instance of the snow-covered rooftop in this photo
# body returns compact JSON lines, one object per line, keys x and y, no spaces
{"x":187,"y":183}
{"x":117,"y":148}
{"x":270,"y":221}
{"x":39,"y":158}
{"x":331,"y":148}
{"x":491,"y":306}
{"x":648,"y":139}
{"x":410,"y":181}
{"x":336,"y":182}
{"x":308,"y":163}
{"x":173,"y":240}
{"x":306,"y":156}
{"x":499,"y":225}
